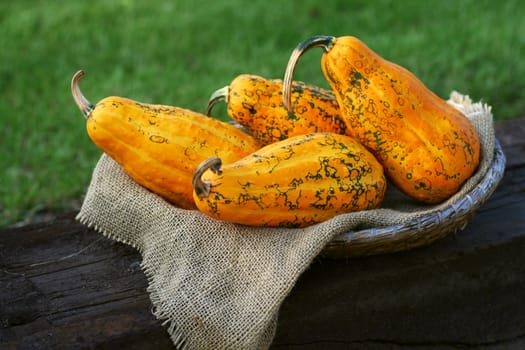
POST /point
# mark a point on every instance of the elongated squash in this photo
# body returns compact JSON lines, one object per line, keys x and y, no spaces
{"x":256,"y":103}
{"x":291,"y":183}
{"x":427,"y":147}
{"x":160,"y":146}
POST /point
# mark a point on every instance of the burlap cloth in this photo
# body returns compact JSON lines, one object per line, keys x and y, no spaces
{"x":218,"y":285}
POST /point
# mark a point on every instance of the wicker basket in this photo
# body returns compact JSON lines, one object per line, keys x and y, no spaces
{"x":423,"y":230}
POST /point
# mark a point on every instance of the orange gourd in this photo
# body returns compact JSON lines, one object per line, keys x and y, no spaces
{"x":256,"y":103}
{"x":160,"y":146}
{"x":427,"y":147}
{"x":295,"y":182}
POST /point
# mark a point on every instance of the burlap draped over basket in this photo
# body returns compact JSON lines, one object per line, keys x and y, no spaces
{"x":218,"y":285}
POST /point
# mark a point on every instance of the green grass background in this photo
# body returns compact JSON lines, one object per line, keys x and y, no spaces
{"x":177,"y":52}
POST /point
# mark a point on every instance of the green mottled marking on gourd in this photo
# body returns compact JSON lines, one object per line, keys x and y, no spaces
{"x":292,"y":116}
{"x":158,"y":139}
{"x":329,"y":170}
{"x":356,"y":77}
{"x":324,"y":198}
{"x":245,"y":197}
{"x":423,"y":184}
{"x":296,"y":182}
{"x":244,"y":185}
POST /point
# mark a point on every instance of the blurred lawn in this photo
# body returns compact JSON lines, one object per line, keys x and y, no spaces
{"x":178,"y":52}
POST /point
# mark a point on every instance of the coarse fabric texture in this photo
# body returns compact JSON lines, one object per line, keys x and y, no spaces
{"x":218,"y":285}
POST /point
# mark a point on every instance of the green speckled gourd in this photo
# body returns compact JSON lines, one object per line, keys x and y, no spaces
{"x":160,"y":146}
{"x":295,"y":182}
{"x":427,"y":147}
{"x":256,"y":103}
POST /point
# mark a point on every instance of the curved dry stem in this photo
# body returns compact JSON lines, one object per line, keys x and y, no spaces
{"x":82,"y":102}
{"x":201,"y":188}
{"x":218,"y":96}
{"x":322,"y":41}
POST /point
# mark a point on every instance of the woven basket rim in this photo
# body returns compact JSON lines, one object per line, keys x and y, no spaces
{"x":424,"y":229}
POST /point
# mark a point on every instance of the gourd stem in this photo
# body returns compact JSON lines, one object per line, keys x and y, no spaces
{"x":201,"y":188}
{"x":217,"y":96}
{"x":82,"y":102}
{"x":322,"y":41}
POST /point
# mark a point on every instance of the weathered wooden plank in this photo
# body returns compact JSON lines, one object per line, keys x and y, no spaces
{"x":66,"y":287}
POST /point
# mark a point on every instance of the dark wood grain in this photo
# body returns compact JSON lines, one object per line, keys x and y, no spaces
{"x":63,"y":286}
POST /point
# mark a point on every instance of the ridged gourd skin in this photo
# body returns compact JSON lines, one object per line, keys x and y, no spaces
{"x":427,"y":147}
{"x":160,"y":146}
{"x":296,"y":182}
{"x":256,"y":103}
